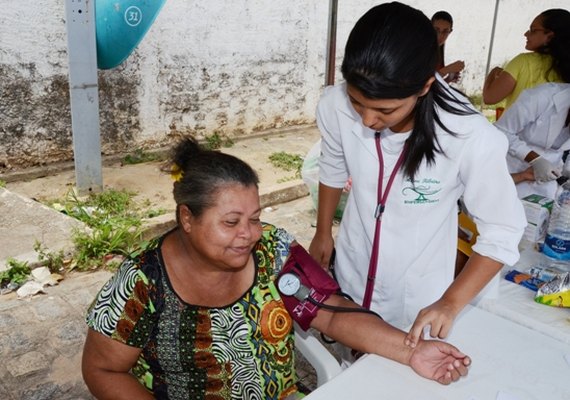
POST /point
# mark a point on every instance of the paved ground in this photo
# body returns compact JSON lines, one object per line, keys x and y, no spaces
{"x":41,"y":337}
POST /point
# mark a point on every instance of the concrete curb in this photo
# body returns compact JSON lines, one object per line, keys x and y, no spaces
{"x":157,"y":226}
{"x":109,"y":160}
{"x":61,"y":225}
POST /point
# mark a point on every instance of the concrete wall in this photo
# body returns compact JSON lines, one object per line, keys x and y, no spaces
{"x":232,"y":67}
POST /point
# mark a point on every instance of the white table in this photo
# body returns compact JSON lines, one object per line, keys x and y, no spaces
{"x":510,"y":362}
{"x":516,"y":303}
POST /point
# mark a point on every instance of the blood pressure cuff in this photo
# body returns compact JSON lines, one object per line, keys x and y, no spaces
{"x":315,"y":282}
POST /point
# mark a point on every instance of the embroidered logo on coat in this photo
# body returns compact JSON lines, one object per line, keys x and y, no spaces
{"x":423,"y":191}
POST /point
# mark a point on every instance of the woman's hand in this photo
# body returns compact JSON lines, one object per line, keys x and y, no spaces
{"x":439,"y":361}
{"x":440,"y":316}
{"x":526,"y":175}
{"x":321,"y":249}
{"x":451,"y":72}
{"x":456,"y":66}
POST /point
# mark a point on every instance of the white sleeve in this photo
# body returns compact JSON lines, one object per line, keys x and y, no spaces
{"x":491,"y":197}
{"x":333,"y":171}
{"x":515,"y":119}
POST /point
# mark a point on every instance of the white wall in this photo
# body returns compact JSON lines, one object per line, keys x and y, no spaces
{"x":470,"y":40}
{"x":233,"y":67}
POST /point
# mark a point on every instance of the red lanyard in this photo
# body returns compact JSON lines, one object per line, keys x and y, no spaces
{"x":381,"y":205}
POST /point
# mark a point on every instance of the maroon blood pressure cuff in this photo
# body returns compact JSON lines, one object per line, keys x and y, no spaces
{"x":302,"y":283}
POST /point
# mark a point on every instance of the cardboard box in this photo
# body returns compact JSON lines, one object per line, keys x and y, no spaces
{"x":537,"y":209}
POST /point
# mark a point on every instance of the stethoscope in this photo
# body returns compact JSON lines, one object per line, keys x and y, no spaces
{"x":382,"y":197}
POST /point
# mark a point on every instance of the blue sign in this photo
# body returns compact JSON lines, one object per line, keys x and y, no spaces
{"x":120,"y":26}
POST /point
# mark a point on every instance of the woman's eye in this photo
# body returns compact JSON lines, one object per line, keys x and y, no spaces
{"x":255,"y":221}
{"x":232,"y":223}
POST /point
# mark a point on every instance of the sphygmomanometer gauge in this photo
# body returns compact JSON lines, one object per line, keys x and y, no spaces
{"x":289,"y":284}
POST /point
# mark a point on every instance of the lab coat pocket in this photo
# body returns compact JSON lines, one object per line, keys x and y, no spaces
{"x":423,"y":290}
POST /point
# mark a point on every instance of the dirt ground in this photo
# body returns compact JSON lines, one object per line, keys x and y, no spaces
{"x":152,"y":185}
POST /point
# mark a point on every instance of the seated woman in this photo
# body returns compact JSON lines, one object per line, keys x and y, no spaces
{"x":548,"y":59}
{"x":443,"y":24}
{"x":198,"y":315}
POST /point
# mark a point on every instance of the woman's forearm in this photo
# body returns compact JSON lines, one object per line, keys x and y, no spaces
{"x":478,"y":272}
{"x":115,"y":386}
{"x":329,"y":198}
{"x":363,"y":332}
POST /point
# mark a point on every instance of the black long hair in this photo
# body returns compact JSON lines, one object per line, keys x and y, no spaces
{"x":557,"y":21}
{"x":390,"y":54}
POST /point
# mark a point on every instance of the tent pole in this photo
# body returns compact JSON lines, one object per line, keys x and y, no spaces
{"x":84,"y":96}
{"x":491,"y":42}
{"x":331,"y":43}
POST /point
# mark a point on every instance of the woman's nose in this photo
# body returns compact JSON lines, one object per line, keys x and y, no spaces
{"x":368,"y":117}
{"x":245,"y":231}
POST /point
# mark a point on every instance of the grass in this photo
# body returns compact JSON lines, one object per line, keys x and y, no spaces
{"x":140,"y":156}
{"x":216,"y":141}
{"x":287,"y":162}
{"x":54,"y":261}
{"x":115,"y":221}
{"x":16,"y":274}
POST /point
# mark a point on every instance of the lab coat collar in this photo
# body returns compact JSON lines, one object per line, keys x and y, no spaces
{"x":363,"y":134}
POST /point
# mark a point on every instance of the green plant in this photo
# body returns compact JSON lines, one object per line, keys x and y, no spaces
{"x":17,"y":272}
{"x":215,"y":141}
{"x":286,"y":179}
{"x":54,"y":261}
{"x":288,"y":162}
{"x":140,"y":156}
{"x":2,"y":183}
{"x":115,"y":222}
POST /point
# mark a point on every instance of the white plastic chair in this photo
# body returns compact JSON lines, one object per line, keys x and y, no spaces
{"x":324,"y":363}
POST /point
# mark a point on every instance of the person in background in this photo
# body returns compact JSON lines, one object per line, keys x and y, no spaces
{"x":548,"y":40}
{"x":198,"y":314}
{"x":413,"y":146}
{"x":443,"y":24}
{"x":536,"y":126}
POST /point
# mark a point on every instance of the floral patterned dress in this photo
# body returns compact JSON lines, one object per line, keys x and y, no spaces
{"x":240,"y":351}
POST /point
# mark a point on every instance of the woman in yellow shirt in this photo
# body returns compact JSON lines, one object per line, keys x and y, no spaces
{"x":548,"y":40}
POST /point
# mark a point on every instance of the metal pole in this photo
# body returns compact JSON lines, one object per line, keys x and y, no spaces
{"x":491,"y":42}
{"x":331,"y":43}
{"x":84,"y":97}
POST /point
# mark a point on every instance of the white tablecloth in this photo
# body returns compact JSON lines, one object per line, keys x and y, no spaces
{"x":516,"y":303}
{"x":510,"y":362}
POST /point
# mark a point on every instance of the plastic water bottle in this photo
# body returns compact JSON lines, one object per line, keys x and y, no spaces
{"x":557,"y":242}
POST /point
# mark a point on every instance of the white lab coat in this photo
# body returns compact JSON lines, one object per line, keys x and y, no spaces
{"x":536,"y":122}
{"x":419,"y":227}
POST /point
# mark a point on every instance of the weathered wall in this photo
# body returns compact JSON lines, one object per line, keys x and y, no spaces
{"x":232,"y":67}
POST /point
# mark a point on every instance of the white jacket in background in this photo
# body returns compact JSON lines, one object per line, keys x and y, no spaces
{"x":536,"y":122}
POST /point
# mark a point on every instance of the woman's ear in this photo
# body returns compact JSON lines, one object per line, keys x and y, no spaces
{"x":427,"y":86}
{"x":185,"y":218}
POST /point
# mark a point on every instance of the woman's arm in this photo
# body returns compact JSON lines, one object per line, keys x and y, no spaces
{"x":454,"y":67}
{"x":526,"y":175}
{"x":478,"y":271}
{"x":367,"y":333}
{"x":106,"y":366}
{"x":498,"y":85}
{"x":322,"y":244}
